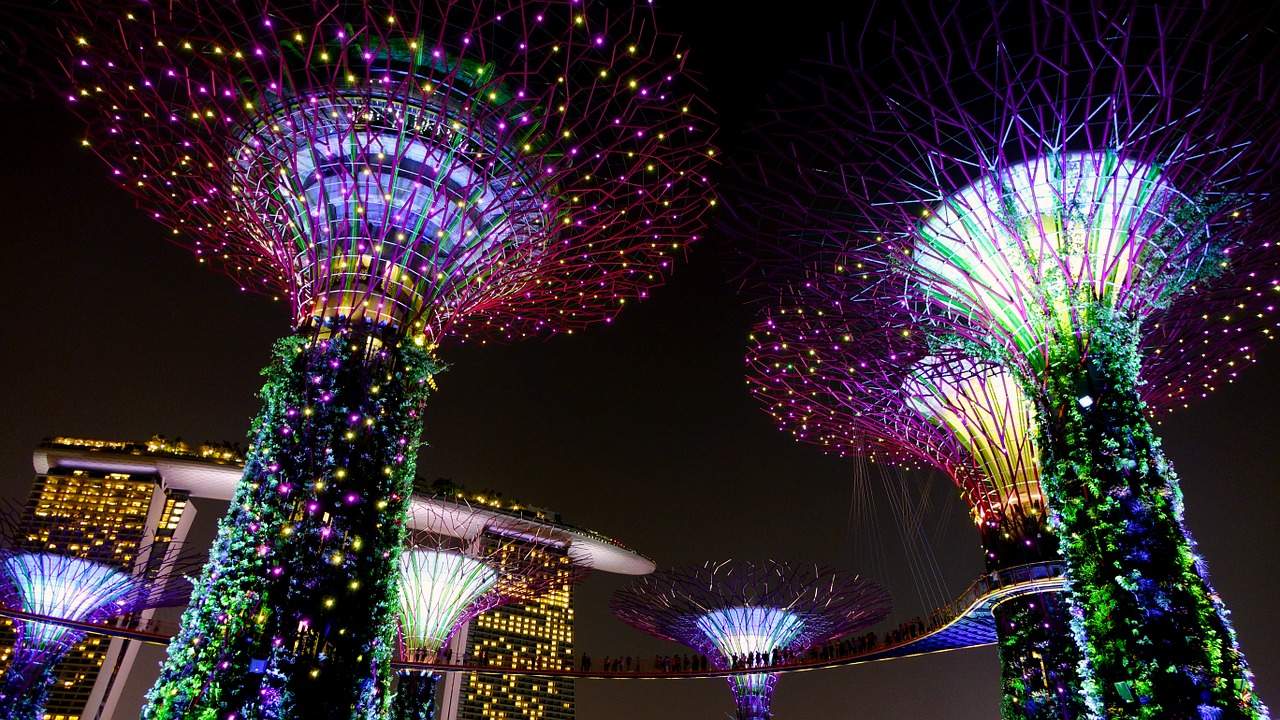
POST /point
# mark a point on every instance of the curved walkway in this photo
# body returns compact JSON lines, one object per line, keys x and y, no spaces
{"x":965,"y":622}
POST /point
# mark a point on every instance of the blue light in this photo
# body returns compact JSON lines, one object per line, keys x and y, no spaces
{"x":744,"y":630}
{"x":67,"y":588}
{"x":741,"y":632}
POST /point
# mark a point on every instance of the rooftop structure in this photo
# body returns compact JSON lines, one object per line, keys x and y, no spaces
{"x":170,"y":483}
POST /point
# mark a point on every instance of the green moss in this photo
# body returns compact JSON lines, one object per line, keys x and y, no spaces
{"x":1039,"y":662}
{"x":1156,"y":638}
{"x":294,"y":614}
{"x":415,"y":697}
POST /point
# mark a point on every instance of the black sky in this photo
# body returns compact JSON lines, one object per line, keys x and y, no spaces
{"x":643,"y":430}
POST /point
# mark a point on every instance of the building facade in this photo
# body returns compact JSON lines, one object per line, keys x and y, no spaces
{"x":105,"y":498}
{"x":104,"y":507}
{"x":536,"y":633}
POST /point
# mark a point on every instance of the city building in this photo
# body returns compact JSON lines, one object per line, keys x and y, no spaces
{"x":126,"y":493}
{"x":92,"y":493}
{"x":535,"y":634}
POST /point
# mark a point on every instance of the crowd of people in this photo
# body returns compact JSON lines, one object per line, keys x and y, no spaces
{"x":840,"y":649}
{"x":777,"y":659}
{"x":661,"y":663}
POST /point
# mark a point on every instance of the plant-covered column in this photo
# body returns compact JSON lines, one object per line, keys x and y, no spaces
{"x":300,"y":588}
{"x":1039,"y":661}
{"x":415,"y":697}
{"x":24,"y":689}
{"x":1156,"y":637}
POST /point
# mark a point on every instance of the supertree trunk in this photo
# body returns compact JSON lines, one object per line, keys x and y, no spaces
{"x":1039,"y":660}
{"x":753,"y":695}
{"x":1156,"y":637}
{"x":23,"y":696}
{"x":294,"y":614}
{"x":415,"y":697}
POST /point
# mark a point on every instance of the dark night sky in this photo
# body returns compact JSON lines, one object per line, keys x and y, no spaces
{"x":643,"y":430}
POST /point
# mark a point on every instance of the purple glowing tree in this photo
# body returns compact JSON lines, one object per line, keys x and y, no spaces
{"x":463,"y":564}
{"x":748,"y":615}
{"x":863,"y":384}
{"x":401,"y":178}
{"x":1067,"y":193}
{"x":88,"y":588}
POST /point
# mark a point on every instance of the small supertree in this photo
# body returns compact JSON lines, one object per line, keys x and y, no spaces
{"x":862,"y":384}
{"x":1068,"y":191}
{"x":464,"y":565}
{"x":401,"y":175}
{"x":750,"y":614}
{"x":89,"y":588}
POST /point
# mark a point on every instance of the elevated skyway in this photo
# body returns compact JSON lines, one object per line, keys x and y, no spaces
{"x":965,"y":622}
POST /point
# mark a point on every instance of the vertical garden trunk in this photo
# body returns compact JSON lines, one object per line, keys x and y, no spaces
{"x":1039,"y":660}
{"x":1156,"y":637}
{"x":415,"y":697}
{"x":294,"y":614}
{"x":24,"y":689}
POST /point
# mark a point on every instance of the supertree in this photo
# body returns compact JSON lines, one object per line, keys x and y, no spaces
{"x":91,"y":587}
{"x":861,"y":384}
{"x":401,"y":175}
{"x":460,"y":565}
{"x":750,"y":614}
{"x":1068,"y":192}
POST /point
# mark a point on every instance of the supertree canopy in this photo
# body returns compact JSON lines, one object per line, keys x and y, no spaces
{"x":456,"y":569}
{"x":465,"y":168}
{"x":1070,"y":194}
{"x":854,"y":380}
{"x":745,"y":615}
{"x":401,"y":175}
{"x":89,"y":590}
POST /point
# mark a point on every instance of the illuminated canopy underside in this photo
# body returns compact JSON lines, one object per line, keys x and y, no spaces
{"x":64,"y":587}
{"x":1021,"y":248}
{"x":986,"y":411}
{"x":439,"y":590}
{"x":390,"y":204}
{"x":742,"y":631}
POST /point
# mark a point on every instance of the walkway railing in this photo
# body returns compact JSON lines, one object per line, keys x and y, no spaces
{"x":964,"y":622}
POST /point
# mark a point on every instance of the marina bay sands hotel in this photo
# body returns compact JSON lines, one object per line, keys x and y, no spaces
{"x":88,"y":493}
